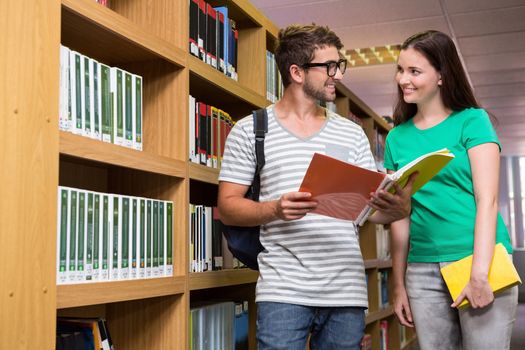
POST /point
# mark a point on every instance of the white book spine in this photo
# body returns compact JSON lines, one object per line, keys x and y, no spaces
{"x":76,"y":122}
{"x":64,"y":89}
{"x":97,"y":100}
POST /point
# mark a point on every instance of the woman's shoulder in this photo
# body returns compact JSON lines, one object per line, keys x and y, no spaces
{"x":472,"y":112}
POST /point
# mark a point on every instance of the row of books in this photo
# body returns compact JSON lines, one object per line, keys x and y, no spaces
{"x":382,"y":242}
{"x":383,"y":335}
{"x":103,"y":2}
{"x":208,"y":249}
{"x":221,"y":325}
{"x":209,"y":127}
{"x":213,"y":37}
{"x":99,"y":101}
{"x":274,"y":84}
{"x":108,"y":237}
{"x":382,"y":289}
{"x":83,"y":333}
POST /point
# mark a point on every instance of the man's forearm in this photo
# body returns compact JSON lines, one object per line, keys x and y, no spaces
{"x":245,"y":212}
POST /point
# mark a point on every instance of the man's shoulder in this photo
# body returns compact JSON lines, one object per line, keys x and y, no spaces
{"x":343,"y":122}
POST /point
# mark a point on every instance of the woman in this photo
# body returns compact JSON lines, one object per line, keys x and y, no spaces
{"x":455,"y":214}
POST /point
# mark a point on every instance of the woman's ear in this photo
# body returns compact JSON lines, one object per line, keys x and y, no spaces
{"x":440,"y":82}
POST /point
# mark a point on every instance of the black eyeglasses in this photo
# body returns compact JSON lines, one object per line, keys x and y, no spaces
{"x":331,"y":66}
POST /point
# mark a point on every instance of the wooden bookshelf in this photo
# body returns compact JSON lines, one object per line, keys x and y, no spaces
{"x":148,"y":38}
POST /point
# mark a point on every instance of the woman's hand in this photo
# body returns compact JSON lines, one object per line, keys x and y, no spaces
{"x":478,"y":293}
{"x":402,"y":307}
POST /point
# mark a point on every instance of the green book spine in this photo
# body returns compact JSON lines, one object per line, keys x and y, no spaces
{"x":81,"y":234}
{"x":96,"y":100}
{"x":128,"y":110}
{"x":134,"y":232}
{"x":162,"y":236}
{"x":96,"y":236}
{"x":106,"y":215}
{"x":155,"y":257}
{"x":149,"y":249}
{"x":142,"y":240}
{"x":115,"y":236}
{"x":62,"y":252}
{"x":124,"y":265}
{"x":78,"y":95}
{"x":138,"y":112}
{"x":169,"y":244}
{"x":73,"y":239}
{"x":120,"y":108}
{"x":89,"y":237}
{"x":106,"y":99}
{"x":87,"y":98}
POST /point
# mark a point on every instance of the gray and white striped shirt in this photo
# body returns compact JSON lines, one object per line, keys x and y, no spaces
{"x":314,"y":261}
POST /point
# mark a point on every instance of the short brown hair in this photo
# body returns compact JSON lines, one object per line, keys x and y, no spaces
{"x":297,"y":44}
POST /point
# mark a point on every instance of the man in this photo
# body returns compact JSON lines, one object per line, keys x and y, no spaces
{"x":312,"y":277}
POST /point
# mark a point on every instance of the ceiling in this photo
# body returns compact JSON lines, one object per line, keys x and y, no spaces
{"x":490,"y":35}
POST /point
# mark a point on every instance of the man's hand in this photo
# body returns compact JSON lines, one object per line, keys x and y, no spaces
{"x":294,"y":205}
{"x":397,"y":205}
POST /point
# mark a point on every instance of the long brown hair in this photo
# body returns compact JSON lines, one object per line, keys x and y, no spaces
{"x":439,"y":49}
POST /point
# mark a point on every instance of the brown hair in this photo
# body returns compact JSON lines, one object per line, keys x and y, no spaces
{"x":297,"y":44}
{"x":439,"y":49}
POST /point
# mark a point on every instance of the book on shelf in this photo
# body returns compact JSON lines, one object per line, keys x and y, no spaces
{"x":342,"y":190}
{"x":502,"y":274}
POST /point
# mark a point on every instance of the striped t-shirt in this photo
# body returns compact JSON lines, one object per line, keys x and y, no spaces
{"x":314,"y":261}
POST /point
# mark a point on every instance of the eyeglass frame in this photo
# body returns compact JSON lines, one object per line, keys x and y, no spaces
{"x":327,"y":65}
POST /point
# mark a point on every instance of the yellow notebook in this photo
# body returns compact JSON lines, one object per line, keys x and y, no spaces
{"x":502,"y":274}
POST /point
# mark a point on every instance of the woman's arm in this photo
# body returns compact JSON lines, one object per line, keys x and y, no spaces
{"x":484,"y":162}
{"x":399,"y":243}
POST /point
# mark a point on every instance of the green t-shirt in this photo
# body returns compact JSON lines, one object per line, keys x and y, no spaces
{"x":444,"y":209}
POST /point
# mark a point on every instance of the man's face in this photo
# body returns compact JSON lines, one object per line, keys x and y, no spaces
{"x":317,"y":84}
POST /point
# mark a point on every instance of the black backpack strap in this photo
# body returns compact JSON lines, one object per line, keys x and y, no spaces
{"x":260,"y":128}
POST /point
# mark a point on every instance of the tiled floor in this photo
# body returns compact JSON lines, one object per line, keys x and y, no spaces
{"x":518,"y":334}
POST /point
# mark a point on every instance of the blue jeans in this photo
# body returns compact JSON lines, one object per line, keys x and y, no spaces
{"x":282,"y":326}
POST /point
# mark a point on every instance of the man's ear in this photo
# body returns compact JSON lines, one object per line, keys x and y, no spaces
{"x":297,"y":74}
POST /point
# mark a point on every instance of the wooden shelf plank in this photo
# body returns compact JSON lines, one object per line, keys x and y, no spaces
{"x":113,"y":37}
{"x":378,"y":315}
{"x":73,"y":295}
{"x":223,"y":278}
{"x":203,"y":173}
{"x":86,"y":148}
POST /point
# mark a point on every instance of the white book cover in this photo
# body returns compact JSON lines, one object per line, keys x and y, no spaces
{"x":169,"y":239}
{"x":63,"y":110}
{"x":192,"y":137}
{"x":208,"y":238}
{"x":77,"y":124}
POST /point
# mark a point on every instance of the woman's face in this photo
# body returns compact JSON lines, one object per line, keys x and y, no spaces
{"x":417,"y":78}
